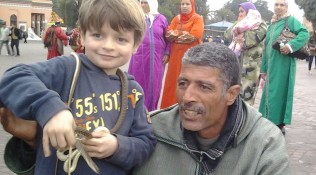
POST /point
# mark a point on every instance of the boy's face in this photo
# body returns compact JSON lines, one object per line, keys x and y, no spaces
{"x":108,"y":49}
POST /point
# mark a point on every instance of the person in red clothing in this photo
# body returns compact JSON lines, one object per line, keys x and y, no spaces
{"x":75,"y":42}
{"x":59,"y":39}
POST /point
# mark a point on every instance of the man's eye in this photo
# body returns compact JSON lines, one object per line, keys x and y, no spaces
{"x":203,"y":87}
{"x":181,"y":84}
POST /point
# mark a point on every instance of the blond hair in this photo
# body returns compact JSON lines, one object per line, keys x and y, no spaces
{"x":121,"y":15}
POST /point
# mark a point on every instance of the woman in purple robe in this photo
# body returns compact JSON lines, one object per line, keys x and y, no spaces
{"x":148,"y":63}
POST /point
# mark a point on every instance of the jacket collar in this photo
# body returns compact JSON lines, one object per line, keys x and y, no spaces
{"x":228,"y":137}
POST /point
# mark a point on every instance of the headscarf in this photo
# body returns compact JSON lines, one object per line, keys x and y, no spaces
{"x":153,"y":10}
{"x":247,"y":6}
{"x":186,"y":17}
{"x":153,"y":6}
{"x":276,"y":18}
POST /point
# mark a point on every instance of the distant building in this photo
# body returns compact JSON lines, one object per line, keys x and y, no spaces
{"x":26,"y":13}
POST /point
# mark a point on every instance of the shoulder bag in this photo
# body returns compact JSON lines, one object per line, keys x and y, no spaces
{"x":285,"y":37}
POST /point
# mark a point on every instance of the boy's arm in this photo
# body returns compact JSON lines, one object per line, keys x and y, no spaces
{"x":135,"y":148}
{"x":34,"y":91}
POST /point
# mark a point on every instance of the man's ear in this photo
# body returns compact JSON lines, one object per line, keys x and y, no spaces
{"x":232,"y":93}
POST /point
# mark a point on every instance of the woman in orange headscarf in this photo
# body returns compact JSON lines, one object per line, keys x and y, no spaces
{"x":184,"y":32}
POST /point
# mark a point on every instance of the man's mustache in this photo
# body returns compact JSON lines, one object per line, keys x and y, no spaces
{"x":192,"y":107}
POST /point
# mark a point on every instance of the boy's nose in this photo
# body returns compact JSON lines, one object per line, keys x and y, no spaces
{"x":108,"y":44}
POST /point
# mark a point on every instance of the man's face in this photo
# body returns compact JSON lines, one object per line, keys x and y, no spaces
{"x":108,"y":49}
{"x":203,"y":104}
{"x":280,"y":7}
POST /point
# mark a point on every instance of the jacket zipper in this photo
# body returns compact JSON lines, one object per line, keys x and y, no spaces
{"x":199,"y":161}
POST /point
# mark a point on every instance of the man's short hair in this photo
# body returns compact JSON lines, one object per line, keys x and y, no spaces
{"x":122,"y":15}
{"x":217,"y":56}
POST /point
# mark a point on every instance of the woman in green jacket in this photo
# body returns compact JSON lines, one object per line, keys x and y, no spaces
{"x":278,"y":69}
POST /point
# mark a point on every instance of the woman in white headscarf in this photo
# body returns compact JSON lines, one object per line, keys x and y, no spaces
{"x":147,"y":64}
{"x":278,"y":69}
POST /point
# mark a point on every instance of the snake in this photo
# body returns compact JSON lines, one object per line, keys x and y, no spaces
{"x":71,"y":159}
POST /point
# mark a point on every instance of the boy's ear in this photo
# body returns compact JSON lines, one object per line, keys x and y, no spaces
{"x":232,"y":93}
{"x":82,"y":36}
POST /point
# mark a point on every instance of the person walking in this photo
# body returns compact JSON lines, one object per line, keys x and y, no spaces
{"x":312,"y":48}
{"x":247,"y":35}
{"x":185,"y":31}
{"x":75,"y":41}
{"x":4,"y":37}
{"x":278,"y":69}
{"x":15,"y":40}
{"x":58,"y":40}
{"x":25,"y":36}
{"x":147,"y":64}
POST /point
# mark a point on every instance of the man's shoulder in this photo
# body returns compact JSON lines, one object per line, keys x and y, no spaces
{"x":164,"y":112}
{"x":258,"y":125}
{"x":165,"y":117}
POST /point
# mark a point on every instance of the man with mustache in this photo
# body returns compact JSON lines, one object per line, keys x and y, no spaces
{"x":212,"y":130}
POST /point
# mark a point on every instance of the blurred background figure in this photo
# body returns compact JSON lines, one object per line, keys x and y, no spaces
{"x":4,"y":37}
{"x":15,"y":40}
{"x":210,"y":39}
{"x":312,"y":48}
{"x":75,"y":41}
{"x":147,"y":64}
{"x":246,"y":36}
{"x":57,"y":38}
{"x":25,"y":36}
{"x":185,"y":31}
{"x":217,"y":39}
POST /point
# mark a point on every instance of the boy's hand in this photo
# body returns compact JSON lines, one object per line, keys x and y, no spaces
{"x":59,"y":132}
{"x":102,"y":145}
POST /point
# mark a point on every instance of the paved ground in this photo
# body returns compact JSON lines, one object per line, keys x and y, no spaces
{"x":300,"y":136}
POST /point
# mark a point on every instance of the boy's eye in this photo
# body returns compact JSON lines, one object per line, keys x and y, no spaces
{"x":120,"y":39}
{"x":97,"y":35}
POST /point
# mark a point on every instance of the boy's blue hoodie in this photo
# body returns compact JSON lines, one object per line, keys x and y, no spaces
{"x":38,"y":91}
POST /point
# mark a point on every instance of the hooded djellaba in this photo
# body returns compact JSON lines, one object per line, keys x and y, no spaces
{"x":278,"y":69}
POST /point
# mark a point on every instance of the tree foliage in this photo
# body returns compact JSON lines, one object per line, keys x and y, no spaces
{"x":68,"y":9}
{"x":171,"y":8}
{"x":309,"y":7}
{"x":231,"y":9}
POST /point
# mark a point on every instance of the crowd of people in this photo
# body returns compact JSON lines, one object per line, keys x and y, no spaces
{"x":11,"y":36}
{"x":205,"y":123}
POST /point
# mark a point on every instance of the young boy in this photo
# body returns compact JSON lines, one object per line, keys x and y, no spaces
{"x":110,"y":32}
